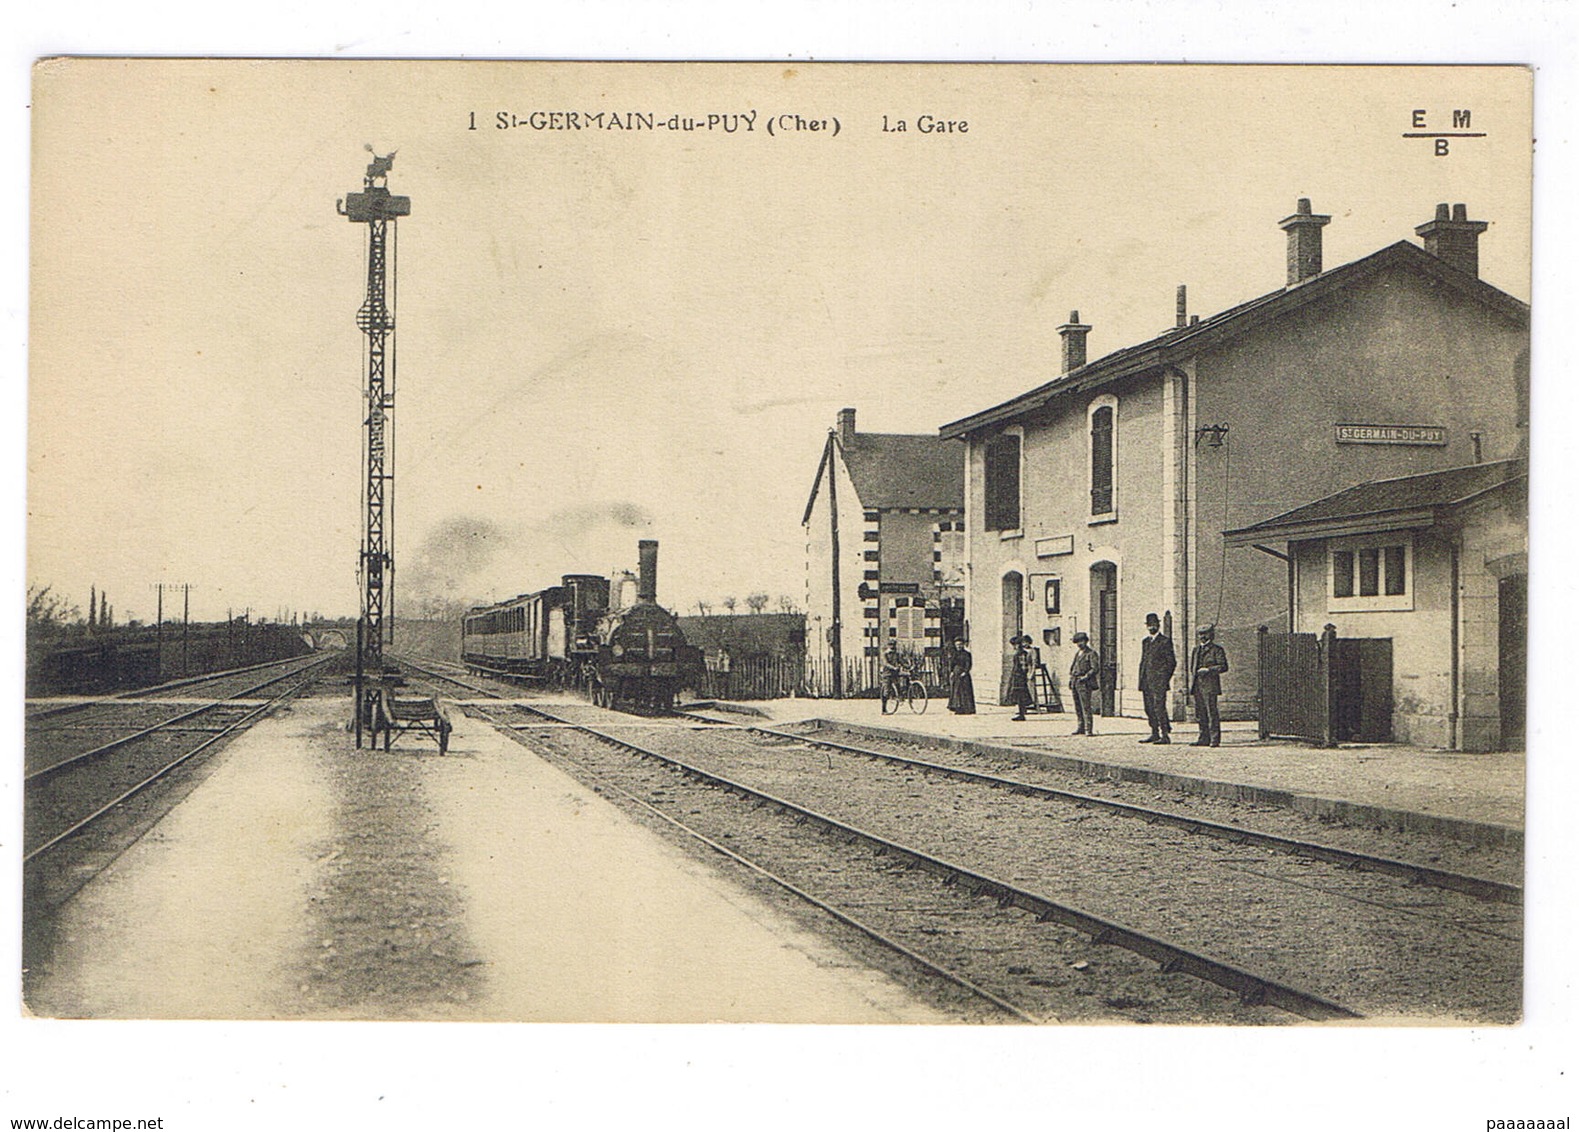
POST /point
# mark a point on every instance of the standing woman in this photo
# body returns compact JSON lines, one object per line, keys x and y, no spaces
{"x":1020,"y":677}
{"x":962,"y":690}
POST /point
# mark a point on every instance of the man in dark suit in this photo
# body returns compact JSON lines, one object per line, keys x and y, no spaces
{"x":1208,"y":662}
{"x":1084,"y":676}
{"x":1157,"y":663}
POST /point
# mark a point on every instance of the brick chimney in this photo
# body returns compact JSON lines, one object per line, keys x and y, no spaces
{"x":1181,"y":306}
{"x":1304,"y":242}
{"x":1074,"y":334}
{"x":1455,"y":239}
{"x":846,"y":426}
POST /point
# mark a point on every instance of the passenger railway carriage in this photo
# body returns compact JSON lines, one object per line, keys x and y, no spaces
{"x":572,"y":635}
{"x":547,"y":636}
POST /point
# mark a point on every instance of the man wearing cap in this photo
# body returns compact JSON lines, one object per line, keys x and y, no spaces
{"x":1020,"y":676}
{"x":1157,"y":663}
{"x":1208,"y":662}
{"x":1084,"y":675}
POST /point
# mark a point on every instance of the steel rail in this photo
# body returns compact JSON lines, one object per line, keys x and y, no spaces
{"x":1253,"y":989}
{"x":71,"y":760}
{"x":156,"y":689}
{"x":38,"y":851}
{"x":843,"y":917}
{"x":1483,"y":887}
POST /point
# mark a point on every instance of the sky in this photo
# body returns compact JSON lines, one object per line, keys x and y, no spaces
{"x":612,"y":334}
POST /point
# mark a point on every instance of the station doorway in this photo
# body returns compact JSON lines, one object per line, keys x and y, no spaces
{"x":1104,"y":622}
{"x":1512,"y":606}
{"x":1013,"y":622}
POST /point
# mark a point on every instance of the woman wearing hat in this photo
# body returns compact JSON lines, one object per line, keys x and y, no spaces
{"x":1020,"y":676}
{"x":1084,"y":675}
{"x":962,"y":690}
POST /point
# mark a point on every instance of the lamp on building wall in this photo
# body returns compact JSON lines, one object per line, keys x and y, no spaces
{"x":1216,"y":433}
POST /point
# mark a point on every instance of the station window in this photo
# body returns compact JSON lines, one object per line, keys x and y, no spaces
{"x":1374,"y":573}
{"x":1002,"y":482}
{"x":1103,"y":436}
{"x":909,"y":625}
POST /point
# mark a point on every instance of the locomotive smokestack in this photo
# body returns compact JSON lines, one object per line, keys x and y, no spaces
{"x":647,"y":580}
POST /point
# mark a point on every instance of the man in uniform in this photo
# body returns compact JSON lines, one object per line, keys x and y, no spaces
{"x":1208,"y":662}
{"x":1157,"y":663}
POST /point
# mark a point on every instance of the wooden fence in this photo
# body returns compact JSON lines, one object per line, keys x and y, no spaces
{"x":774,"y":677}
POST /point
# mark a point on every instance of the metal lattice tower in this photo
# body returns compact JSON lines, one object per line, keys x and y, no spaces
{"x":375,"y":207}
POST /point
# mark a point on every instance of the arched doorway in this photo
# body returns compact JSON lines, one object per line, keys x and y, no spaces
{"x":1104,"y":633}
{"x":1013,"y":622}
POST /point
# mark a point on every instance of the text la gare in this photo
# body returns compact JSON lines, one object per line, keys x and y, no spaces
{"x":926,"y":124}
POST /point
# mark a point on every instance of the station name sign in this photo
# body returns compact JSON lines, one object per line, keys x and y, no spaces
{"x":1434,"y":435}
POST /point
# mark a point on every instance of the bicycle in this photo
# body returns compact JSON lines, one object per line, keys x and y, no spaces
{"x":908,"y":690}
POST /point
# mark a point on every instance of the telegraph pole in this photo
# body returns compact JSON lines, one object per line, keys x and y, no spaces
{"x":159,"y":636}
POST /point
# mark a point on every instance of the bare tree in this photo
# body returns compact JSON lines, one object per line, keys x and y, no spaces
{"x":729,"y":603}
{"x":703,"y":608}
{"x":48,"y":614}
{"x":787,"y":604}
{"x":756,"y":602}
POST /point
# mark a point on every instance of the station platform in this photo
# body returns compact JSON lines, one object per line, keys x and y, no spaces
{"x":1474,"y":797}
{"x":303,"y":878}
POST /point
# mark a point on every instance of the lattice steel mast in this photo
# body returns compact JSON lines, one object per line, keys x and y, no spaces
{"x":375,"y":207}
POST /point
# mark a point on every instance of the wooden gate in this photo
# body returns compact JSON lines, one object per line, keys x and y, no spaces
{"x":1295,"y":685}
{"x":1325,"y":690}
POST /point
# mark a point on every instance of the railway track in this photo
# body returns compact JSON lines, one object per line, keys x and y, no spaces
{"x":858,"y":899}
{"x":1005,"y":952}
{"x":1300,"y":893}
{"x":1414,"y":872}
{"x":109,"y":712}
{"x":70,"y":786}
{"x":1381,"y":943}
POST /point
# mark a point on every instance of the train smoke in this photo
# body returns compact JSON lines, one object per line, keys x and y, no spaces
{"x":466,"y":558}
{"x":450,"y":555}
{"x":573,"y":522}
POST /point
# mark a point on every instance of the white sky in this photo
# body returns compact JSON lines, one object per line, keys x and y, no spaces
{"x":606,"y":336}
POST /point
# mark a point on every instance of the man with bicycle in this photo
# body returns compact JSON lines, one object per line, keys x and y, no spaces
{"x":895,"y":676}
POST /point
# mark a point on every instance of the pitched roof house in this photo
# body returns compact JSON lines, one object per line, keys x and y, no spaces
{"x":1101,"y":493}
{"x":884,"y":551}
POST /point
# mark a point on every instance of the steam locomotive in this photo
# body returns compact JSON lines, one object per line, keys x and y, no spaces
{"x":577,"y":634}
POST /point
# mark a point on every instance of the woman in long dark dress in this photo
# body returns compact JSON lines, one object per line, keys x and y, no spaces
{"x":962,"y":691}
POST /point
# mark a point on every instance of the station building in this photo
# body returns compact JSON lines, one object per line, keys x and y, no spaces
{"x":1432,"y":570}
{"x":1103,"y":494}
{"x":885,"y":545}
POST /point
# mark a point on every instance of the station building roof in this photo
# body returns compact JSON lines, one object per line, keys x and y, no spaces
{"x":1405,"y":503}
{"x":898,"y":471}
{"x":1181,"y":343}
